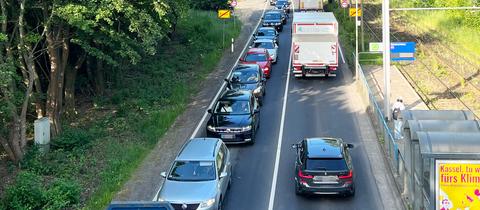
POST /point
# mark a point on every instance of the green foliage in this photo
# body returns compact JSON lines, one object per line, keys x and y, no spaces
{"x":30,"y":192}
{"x":72,"y":138}
{"x":26,"y":193}
{"x":209,"y":5}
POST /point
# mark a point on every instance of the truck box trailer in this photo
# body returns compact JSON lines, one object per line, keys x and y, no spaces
{"x":307,"y":5}
{"x":314,"y":44}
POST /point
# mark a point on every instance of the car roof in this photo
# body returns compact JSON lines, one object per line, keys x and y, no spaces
{"x":247,"y":67}
{"x":324,"y":147}
{"x":239,"y":95}
{"x":256,"y":50}
{"x":202,"y":149}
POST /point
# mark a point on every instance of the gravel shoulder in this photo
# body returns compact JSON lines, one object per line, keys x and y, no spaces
{"x":145,"y":182}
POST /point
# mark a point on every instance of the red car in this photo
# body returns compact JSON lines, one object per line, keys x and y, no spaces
{"x":258,"y":56}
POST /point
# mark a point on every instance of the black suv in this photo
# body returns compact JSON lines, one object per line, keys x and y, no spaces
{"x":248,"y":77}
{"x":324,"y":166}
{"x":273,"y":19}
{"x":235,"y":117}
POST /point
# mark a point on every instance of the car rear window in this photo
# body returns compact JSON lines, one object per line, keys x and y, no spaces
{"x":266,"y":45}
{"x":266,"y":33}
{"x":272,"y":16}
{"x":326,"y":164}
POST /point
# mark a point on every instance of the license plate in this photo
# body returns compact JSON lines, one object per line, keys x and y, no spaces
{"x":228,"y":136}
{"x":325,"y":179}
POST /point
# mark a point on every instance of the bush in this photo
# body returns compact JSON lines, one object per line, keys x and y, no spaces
{"x":71,"y":138}
{"x":26,"y":193}
{"x":62,"y":194}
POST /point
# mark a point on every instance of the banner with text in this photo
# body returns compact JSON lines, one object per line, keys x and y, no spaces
{"x":457,"y":184}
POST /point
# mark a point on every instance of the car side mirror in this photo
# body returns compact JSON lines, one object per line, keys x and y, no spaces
{"x":294,"y":146}
{"x":350,"y":146}
{"x":163,"y":174}
{"x":223,"y":174}
{"x":249,"y":47}
{"x":209,"y":111}
{"x":241,"y":59}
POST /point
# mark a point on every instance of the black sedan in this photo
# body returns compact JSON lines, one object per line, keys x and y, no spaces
{"x":273,"y":19}
{"x":324,"y":166}
{"x":248,"y":77}
{"x":235,"y":117}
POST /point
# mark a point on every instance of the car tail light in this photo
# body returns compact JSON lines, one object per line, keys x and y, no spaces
{"x":303,"y":176}
{"x":348,"y":176}
{"x":332,"y":68}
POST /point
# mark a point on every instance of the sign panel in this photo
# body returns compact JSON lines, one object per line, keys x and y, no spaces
{"x":344,"y":4}
{"x":402,"y":51}
{"x":375,"y":46}
{"x":233,"y":3}
{"x":457,"y":184}
{"x":223,"y":13}
{"x":355,"y":12}
{"x":314,"y":29}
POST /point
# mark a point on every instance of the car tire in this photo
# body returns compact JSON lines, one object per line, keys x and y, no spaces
{"x":229,"y":183}
{"x":253,"y":137}
{"x":298,"y":191}
{"x":220,"y":203}
{"x":260,"y":101}
{"x":351,"y":192}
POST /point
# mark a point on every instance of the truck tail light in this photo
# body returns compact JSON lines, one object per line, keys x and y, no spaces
{"x":332,"y":68}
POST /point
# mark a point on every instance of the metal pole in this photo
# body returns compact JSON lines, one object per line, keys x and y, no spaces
{"x":223,"y":35}
{"x":386,"y":56}
{"x":361,"y":26}
{"x":356,"y":40}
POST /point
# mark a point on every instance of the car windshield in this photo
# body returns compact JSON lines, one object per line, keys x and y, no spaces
{"x":272,"y":16}
{"x":245,"y":76}
{"x":231,"y":107}
{"x":326,"y":164}
{"x":255,"y":57}
{"x":266,"y":45}
{"x":193,"y":171}
{"x":266,"y":33}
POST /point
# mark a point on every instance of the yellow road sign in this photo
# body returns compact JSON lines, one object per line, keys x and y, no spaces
{"x":223,"y":13}
{"x":355,"y":12}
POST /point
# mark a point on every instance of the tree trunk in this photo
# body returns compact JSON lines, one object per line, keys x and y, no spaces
{"x":99,"y":78}
{"x":58,"y":61}
{"x":39,"y":109}
{"x":70,"y":76}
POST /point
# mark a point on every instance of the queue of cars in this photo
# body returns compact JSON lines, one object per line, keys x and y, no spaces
{"x":201,"y":173}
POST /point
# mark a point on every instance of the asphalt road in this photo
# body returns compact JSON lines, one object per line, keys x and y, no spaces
{"x":315,"y":107}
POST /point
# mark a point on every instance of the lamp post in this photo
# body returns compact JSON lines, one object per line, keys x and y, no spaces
{"x":356,"y":41}
{"x":386,"y":56}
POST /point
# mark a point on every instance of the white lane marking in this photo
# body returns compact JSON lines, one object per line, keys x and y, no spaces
{"x":280,"y":139}
{"x":224,"y":84}
{"x":341,"y":53}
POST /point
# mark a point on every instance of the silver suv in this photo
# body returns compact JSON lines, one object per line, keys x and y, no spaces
{"x":199,"y":176}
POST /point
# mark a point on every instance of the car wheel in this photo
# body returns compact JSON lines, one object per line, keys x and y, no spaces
{"x":254,"y":133}
{"x":220,"y":204}
{"x":264,"y":92}
{"x":298,"y":191}
{"x":260,"y":101}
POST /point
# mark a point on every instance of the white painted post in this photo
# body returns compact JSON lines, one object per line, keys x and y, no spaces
{"x":386,"y":56}
{"x":42,"y":134}
{"x":232,"y":44}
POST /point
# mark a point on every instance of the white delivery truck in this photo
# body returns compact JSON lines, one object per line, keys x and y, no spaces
{"x":314,"y":44}
{"x":307,"y":5}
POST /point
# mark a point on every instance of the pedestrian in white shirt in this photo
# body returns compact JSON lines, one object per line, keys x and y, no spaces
{"x":397,"y":109}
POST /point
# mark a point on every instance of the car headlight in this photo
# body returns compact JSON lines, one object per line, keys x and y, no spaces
{"x":207,"y":203}
{"x":257,"y":90}
{"x":247,"y":128}
{"x":210,"y":128}
{"x":278,"y":24}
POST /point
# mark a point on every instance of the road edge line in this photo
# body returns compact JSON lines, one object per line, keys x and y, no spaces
{"x":280,"y":138}
{"x":195,"y":132}
{"x":341,"y":53}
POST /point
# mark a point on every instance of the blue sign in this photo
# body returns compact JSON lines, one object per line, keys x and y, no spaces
{"x":402,"y":51}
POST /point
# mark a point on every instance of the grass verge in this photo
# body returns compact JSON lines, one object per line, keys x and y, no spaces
{"x":98,"y":152}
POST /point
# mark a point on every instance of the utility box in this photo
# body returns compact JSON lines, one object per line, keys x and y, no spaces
{"x":42,"y":131}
